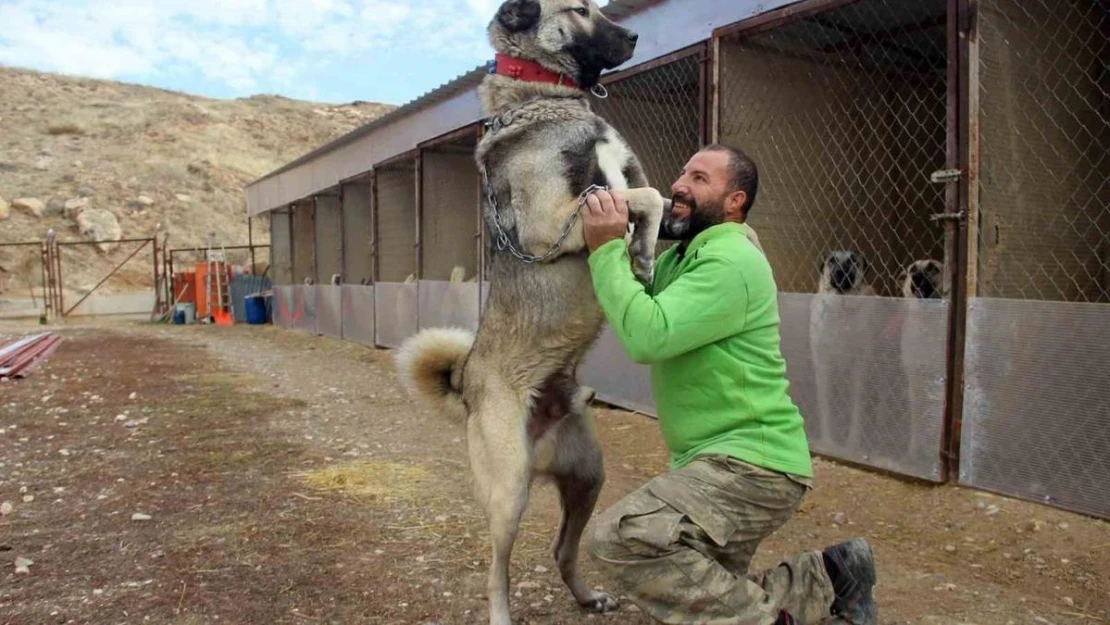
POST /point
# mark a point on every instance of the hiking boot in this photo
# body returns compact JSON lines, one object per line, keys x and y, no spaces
{"x":851,"y":567}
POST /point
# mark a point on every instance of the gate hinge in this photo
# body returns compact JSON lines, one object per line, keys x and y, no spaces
{"x":944,"y":176}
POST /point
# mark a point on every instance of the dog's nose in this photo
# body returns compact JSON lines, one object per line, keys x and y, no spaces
{"x":633,"y":37}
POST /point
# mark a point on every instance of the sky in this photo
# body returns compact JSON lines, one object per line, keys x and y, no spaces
{"x":333,"y":51}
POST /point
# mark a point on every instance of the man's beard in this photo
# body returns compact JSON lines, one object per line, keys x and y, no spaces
{"x":701,"y":217}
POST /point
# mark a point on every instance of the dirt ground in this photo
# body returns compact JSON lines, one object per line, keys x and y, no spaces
{"x":287,"y":479}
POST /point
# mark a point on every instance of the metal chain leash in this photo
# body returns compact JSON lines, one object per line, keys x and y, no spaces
{"x":503,"y":242}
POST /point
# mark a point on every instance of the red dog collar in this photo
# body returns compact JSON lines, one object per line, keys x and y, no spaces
{"x":523,"y":69}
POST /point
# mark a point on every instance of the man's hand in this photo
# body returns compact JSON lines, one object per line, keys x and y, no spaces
{"x":604,"y":218}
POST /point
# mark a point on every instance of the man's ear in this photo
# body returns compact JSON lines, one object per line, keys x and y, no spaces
{"x":735,"y":202}
{"x":518,"y":15}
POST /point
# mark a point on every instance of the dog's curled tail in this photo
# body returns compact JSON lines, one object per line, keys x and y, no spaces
{"x":427,"y":362}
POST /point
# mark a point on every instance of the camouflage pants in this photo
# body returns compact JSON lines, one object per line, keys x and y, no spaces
{"x":680,"y":547}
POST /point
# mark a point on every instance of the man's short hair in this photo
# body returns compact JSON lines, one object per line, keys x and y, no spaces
{"x":743,"y":174}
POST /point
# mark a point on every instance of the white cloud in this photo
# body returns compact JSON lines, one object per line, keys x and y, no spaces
{"x":239,"y":43}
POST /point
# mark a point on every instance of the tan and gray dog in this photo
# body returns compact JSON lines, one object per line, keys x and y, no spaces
{"x":514,"y":380}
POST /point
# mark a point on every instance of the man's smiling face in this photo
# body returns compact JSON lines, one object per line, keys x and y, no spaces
{"x":698,"y":196}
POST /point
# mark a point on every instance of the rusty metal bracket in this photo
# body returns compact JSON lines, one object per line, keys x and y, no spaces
{"x":945,"y":176}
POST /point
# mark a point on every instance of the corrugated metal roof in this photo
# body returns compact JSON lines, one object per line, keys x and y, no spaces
{"x":616,"y":10}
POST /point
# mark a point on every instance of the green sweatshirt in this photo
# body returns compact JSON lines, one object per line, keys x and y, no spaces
{"x":709,"y":328}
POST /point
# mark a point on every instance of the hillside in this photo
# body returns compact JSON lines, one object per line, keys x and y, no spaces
{"x":93,"y":152}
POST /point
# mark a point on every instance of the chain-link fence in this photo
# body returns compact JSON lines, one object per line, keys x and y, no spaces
{"x":328,"y":238}
{"x":395,"y":202}
{"x":1044,"y":199}
{"x":845,"y":114}
{"x":660,"y":112}
{"x":449,"y":220}
{"x":358,"y":232}
{"x":1036,"y":419}
{"x":281,"y":247}
{"x":304,"y":241}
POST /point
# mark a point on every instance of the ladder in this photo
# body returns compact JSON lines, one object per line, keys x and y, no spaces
{"x":215,"y":283}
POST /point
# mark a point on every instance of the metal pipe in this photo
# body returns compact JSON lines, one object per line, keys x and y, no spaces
{"x":418,"y":179}
{"x":779,"y":17}
{"x":136,"y":240}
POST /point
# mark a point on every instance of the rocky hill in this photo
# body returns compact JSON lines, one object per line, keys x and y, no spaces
{"x":94,"y":159}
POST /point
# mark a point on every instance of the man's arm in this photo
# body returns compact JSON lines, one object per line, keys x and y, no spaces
{"x":707,"y":303}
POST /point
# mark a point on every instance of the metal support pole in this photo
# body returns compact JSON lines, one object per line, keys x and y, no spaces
{"x":419,"y":178}
{"x":374,"y":273}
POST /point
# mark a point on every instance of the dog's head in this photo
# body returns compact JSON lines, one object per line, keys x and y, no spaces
{"x":924,"y":280}
{"x":568,"y":36}
{"x":845,"y":271}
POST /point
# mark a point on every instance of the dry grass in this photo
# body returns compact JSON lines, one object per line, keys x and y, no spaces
{"x":376,"y":480}
{"x":65,"y":128}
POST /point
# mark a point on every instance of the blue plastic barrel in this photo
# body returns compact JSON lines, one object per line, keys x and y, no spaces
{"x":256,"y":310}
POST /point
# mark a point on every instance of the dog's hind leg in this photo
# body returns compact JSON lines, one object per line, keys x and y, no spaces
{"x":499,"y":458}
{"x":579,"y":474}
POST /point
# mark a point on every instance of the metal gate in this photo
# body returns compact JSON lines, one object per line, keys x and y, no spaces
{"x":845,"y":113}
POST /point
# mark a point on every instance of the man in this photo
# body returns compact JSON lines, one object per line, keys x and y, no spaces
{"x":708,"y":325}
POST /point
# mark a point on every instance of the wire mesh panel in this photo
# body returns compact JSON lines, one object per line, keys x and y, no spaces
{"x":328,"y":238}
{"x":304,"y":242}
{"x":329,"y":316}
{"x":868,"y":375}
{"x":449,"y":226}
{"x":358,"y":313}
{"x":358,"y":253}
{"x":617,"y":380}
{"x":844,"y":114}
{"x":1037,"y":416}
{"x":283,"y":306}
{"x":281,"y":248}
{"x":395,"y":312}
{"x":396,"y":206}
{"x":304,"y":301}
{"x":1044,"y":212}
{"x":658,"y":112}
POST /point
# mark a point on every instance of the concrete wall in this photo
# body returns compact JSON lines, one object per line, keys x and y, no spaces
{"x":304,"y":242}
{"x":450,"y":219}
{"x":396,"y":204}
{"x":845,"y":169}
{"x":1044,"y":135}
{"x":328,"y":239}
{"x":281,"y":253}
{"x":358,"y":251}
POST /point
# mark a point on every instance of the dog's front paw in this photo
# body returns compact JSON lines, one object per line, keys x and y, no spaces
{"x":600,"y":602}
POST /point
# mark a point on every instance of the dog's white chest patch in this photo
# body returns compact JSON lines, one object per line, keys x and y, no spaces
{"x":611,"y":158}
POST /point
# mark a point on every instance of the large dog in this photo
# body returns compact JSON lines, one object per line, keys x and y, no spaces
{"x":514,"y":380}
{"x":922,"y":336}
{"x":839,"y":334}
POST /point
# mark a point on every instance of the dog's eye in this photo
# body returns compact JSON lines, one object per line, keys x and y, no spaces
{"x":581,"y":11}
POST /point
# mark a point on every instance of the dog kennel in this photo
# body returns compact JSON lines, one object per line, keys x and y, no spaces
{"x":961,"y":133}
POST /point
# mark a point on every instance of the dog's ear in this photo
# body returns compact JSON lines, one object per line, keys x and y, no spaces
{"x":518,"y":15}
